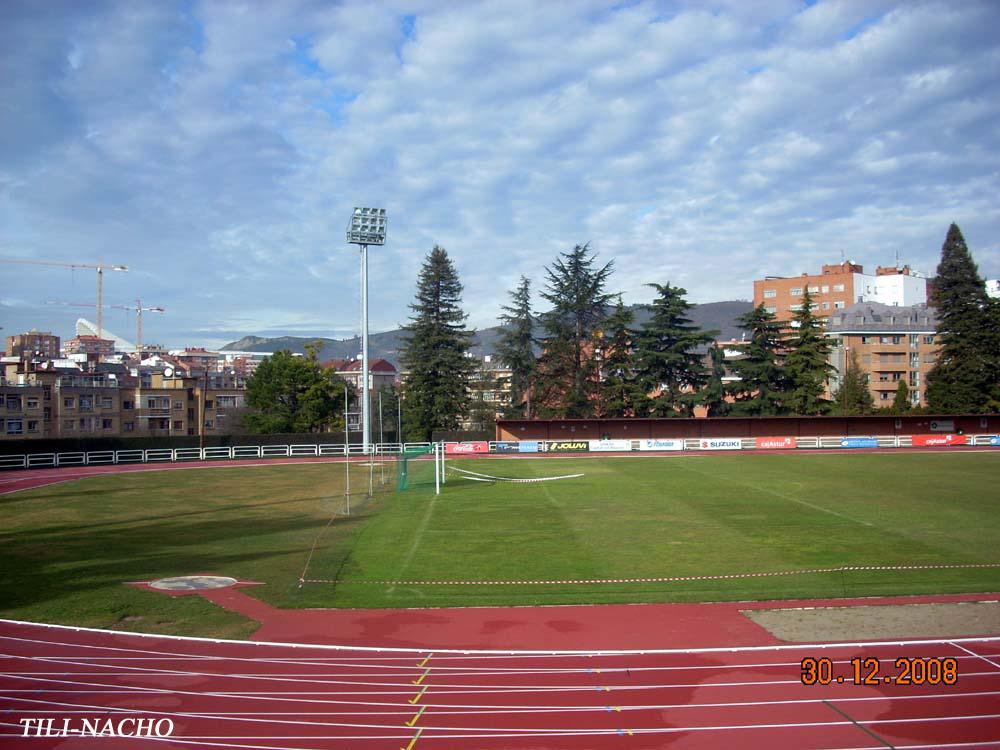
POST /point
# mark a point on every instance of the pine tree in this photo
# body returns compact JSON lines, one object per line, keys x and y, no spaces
{"x":762,"y":389}
{"x":668,"y":359}
{"x":566,"y":377}
{"x":434,"y":351}
{"x":901,"y":403}
{"x":713,"y":395}
{"x":619,"y":392}
{"x":807,"y":361}
{"x":515,"y":347}
{"x":964,"y":378}
{"x":853,"y":397}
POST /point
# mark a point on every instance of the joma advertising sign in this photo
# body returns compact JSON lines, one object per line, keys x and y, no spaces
{"x":568,"y":446}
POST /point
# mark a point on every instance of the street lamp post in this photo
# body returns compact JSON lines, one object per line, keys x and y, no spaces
{"x":367,"y":227}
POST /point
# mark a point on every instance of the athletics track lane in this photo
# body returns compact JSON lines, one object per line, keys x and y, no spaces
{"x":257,"y":695}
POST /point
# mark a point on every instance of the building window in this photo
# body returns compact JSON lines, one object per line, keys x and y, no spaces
{"x":914,"y":359}
{"x":13,"y":403}
{"x":15,"y":426}
{"x":86,"y":403}
{"x":814,"y":290}
{"x":128,"y":426}
{"x":914,"y":341}
{"x":795,"y":291}
{"x":771,"y":310}
{"x":68,"y":424}
{"x":178,"y":405}
{"x":929,"y":358}
{"x":178,"y":424}
{"x":825,"y":289}
{"x":227,"y":402}
{"x":106,"y":402}
{"x":32,"y":403}
{"x":768,"y":293}
{"x":928,"y":339}
{"x":107,"y":424}
{"x":915,"y":397}
{"x":897,"y":339}
{"x":32,"y":425}
{"x":209,"y":424}
{"x":914,"y":379}
{"x":838,"y":287}
{"x":839,"y":305}
{"x":793,"y":308}
{"x":128,"y":405}
{"x":883,"y":339}
{"x":68,"y":403}
{"x":208,"y":403}
{"x":865,"y":339}
{"x":884,"y":395}
{"x":826,"y":305}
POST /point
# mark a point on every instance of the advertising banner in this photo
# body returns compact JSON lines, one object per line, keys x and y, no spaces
{"x":777,"y":443}
{"x":995,"y":440}
{"x":943,"y":425}
{"x":528,"y":446}
{"x":931,"y":440}
{"x":862,"y":442}
{"x":506,"y":447}
{"x":568,"y":446}
{"x":610,"y":445}
{"x":720,"y":444}
{"x":455,"y":449}
{"x":661,"y":444}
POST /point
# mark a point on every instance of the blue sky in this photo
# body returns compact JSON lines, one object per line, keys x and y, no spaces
{"x":217,"y":148}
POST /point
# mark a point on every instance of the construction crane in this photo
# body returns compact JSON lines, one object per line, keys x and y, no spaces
{"x":137,"y":308}
{"x":100,"y":280}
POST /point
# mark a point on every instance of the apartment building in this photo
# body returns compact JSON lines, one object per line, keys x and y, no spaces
{"x":892,"y":344}
{"x":91,"y":346}
{"x":33,"y":344}
{"x":837,"y":287}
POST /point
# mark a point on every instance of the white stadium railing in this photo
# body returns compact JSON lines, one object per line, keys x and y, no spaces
{"x":224,"y":453}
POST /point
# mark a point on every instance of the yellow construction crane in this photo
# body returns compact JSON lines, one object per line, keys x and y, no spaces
{"x":138,"y":309}
{"x":100,"y":280}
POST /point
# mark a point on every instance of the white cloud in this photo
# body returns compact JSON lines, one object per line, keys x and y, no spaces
{"x":219,"y":150}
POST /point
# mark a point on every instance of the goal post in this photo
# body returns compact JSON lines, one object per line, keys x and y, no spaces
{"x":414,"y":467}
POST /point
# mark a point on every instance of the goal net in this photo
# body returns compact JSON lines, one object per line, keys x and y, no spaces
{"x":415,"y":468}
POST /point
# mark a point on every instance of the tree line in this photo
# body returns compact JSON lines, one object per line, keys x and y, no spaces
{"x":585,"y":356}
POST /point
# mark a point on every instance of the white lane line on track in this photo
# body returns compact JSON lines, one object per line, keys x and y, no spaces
{"x":808,"y":648}
{"x":978,"y":656}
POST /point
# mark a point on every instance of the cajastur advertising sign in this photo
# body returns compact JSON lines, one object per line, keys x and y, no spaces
{"x":777,"y":443}
{"x":478,"y":446}
{"x":568,"y":446}
{"x":932,"y":440}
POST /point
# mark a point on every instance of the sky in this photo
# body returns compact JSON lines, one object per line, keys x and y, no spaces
{"x":218,"y":148}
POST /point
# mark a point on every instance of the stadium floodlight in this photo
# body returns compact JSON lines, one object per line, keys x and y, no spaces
{"x":367,"y":227}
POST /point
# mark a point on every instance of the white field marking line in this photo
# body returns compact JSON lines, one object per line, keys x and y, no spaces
{"x":406,"y":671}
{"x":470,"y":732}
{"x":979,"y":656}
{"x":464,"y":709}
{"x":417,"y":538}
{"x":648,"y":579}
{"x":809,"y":648}
{"x":35,"y":486}
{"x":491,"y":478}
{"x":782,"y":495}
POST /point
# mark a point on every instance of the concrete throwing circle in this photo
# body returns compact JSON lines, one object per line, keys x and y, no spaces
{"x":193,"y":583}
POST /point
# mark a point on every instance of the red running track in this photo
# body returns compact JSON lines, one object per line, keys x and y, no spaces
{"x":231,"y":694}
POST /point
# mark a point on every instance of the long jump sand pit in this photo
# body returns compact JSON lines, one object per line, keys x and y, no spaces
{"x":880,"y":621}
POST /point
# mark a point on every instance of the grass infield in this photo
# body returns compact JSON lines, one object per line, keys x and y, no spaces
{"x":65,"y":550}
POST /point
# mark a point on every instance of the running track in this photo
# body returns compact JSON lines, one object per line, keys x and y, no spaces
{"x":227,"y":694}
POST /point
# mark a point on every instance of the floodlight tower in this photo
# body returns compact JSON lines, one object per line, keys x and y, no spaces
{"x":367,"y":227}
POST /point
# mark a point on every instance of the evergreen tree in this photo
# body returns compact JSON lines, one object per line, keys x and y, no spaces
{"x":668,"y":359}
{"x":566,"y":378}
{"x":762,"y":390}
{"x":434,"y":351}
{"x":964,"y":378}
{"x":619,"y":392}
{"x":901,"y":403}
{"x":713,"y":395}
{"x":515,"y":347}
{"x":291,"y":394}
{"x":853,"y":398}
{"x":807,"y":361}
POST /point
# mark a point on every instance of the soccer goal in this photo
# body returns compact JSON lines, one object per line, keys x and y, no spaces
{"x":420,"y":467}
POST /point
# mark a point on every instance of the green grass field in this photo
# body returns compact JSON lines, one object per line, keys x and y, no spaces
{"x":65,"y":550}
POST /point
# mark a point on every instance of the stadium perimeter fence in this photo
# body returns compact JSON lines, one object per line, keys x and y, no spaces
{"x":494,"y":447}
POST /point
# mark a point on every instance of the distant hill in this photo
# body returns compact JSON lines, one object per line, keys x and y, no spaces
{"x":719,"y":316}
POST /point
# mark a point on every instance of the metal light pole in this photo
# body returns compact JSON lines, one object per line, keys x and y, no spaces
{"x":367,"y":227}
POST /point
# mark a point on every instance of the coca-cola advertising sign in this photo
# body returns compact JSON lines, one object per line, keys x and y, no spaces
{"x":478,"y":446}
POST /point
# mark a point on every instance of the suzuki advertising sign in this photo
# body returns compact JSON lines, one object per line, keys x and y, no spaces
{"x":721,"y":444}
{"x":777,"y":443}
{"x":931,"y":440}
{"x":610,"y":445}
{"x":478,"y":446}
{"x":860,"y":442}
{"x":660,"y":444}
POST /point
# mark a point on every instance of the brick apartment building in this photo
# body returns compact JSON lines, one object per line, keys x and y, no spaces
{"x":892,"y":343}
{"x":40,"y":344}
{"x":838,"y":287}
